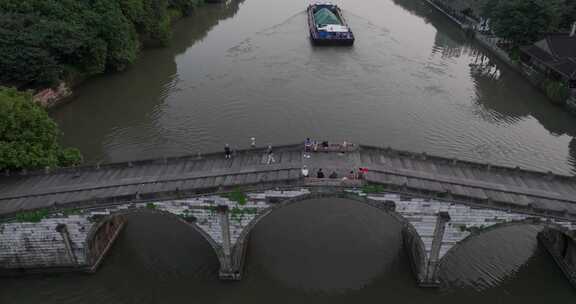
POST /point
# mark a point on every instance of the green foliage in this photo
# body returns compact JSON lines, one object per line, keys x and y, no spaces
{"x":238,"y":213}
{"x":151,"y":206}
{"x":556,"y":90}
{"x":523,"y":21}
{"x":568,"y":15}
{"x":373,"y":189}
{"x":238,"y":196}
{"x":43,"y":40}
{"x":71,"y":211}
{"x":32,"y":216}
{"x":514,"y":54}
{"x":28,"y":136}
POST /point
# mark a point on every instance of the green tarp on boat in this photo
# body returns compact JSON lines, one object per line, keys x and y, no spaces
{"x":325,"y":16}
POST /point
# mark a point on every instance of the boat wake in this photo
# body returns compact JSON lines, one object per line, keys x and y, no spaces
{"x":275,"y":28}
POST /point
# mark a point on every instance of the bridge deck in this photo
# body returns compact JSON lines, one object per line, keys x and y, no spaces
{"x":397,"y":170}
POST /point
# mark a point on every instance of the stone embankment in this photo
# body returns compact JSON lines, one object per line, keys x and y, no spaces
{"x":51,"y":97}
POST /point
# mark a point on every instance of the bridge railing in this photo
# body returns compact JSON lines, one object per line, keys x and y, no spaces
{"x":294,"y":147}
{"x":141,"y":162}
{"x":471,"y":164}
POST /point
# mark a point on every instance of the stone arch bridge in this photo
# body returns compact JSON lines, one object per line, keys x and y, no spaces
{"x":68,"y":219}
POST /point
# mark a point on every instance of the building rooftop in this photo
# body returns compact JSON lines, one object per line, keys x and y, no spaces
{"x":557,"y":51}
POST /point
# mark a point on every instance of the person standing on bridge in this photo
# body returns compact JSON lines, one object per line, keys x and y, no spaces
{"x":307,"y":147}
{"x":305,"y":171}
{"x":270,"y":153}
{"x":320,"y":174}
{"x":227,"y":152}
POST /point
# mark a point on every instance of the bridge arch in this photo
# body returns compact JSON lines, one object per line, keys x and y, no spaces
{"x":555,"y":228}
{"x":412,"y":242}
{"x":106,"y":229}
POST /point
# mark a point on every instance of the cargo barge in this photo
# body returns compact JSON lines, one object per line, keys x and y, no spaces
{"x":328,"y":26}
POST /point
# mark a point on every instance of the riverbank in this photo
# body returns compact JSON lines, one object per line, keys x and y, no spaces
{"x":489,"y":42}
{"x":64,"y":92}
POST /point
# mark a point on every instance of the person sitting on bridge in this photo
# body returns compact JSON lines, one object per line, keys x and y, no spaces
{"x":352,"y":175}
{"x":333,"y":174}
{"x":362,"y":172}
{"x":325,"y":145}
{"x":320,"y":174}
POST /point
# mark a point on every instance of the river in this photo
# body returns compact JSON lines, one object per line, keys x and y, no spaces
{"x":244,"y":69}
{"x":249,"y":70}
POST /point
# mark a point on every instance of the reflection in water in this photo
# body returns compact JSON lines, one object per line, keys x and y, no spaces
{"x":503,"y":98}
{"x":126,"y":104}
{"x":406,"y":83}
{"x":318,"y":251}
{"x":502,"y":259}
{"x":504,"y":263}
{"x":339,"y":251}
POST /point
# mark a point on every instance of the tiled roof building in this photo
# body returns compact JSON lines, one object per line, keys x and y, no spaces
{"x":555,"y":55}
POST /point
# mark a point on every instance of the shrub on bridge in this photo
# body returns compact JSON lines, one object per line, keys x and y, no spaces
{"x":32,"y":216}
{"x":238,"y":213}
{"x":28,"y":136}
{"x":373,"y":189}
{"x":237,"y":196}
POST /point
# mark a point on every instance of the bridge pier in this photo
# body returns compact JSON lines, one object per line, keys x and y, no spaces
{"x":228,"y":269}
{"x":430,"y":277}
{"x":63,"y":230}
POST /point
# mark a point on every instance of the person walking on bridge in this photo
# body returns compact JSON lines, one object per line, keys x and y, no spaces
{"x":227,"y":152}
{"x":270,"y":153}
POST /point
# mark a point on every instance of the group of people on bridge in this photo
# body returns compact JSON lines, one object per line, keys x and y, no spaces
{"x":352,"y":175}
{"x":269,"y":151}
{"x":309,"y":147}
{"x":325,"y":146}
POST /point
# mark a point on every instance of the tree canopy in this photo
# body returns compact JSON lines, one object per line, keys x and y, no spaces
{"x":568,"y":15}
{"x":28,"y":136}
{"x":43,"y":42}
{"x":523,"y":21}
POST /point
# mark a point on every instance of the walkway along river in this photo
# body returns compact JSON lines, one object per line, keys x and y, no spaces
{"x":247,"y":69}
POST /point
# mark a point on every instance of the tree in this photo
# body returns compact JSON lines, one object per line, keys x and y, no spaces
{"x":44,"y":42}
{"x":568,"y":15}
{"x":523,"y":21}
{"x":28,"y":136}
